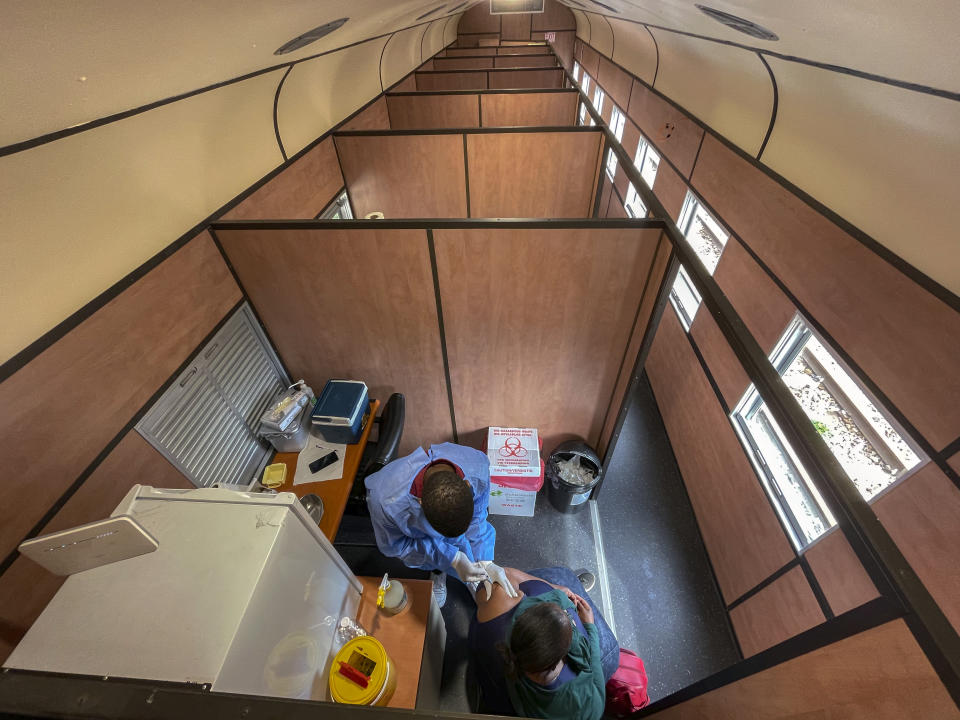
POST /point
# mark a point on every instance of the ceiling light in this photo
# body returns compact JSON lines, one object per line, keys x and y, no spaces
{"x":309,"y":37}
{"x":738,"y":23}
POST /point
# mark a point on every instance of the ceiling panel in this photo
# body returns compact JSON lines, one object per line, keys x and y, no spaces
{"x":601,"y":33}
{"x":884,"y":158}
{"x":635,"y":49}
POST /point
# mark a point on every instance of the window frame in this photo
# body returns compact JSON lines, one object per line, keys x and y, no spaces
{"x":338,"y":209}
{"x":618,"y":122}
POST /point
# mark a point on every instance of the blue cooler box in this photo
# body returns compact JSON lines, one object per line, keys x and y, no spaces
{"x":339,"y":411}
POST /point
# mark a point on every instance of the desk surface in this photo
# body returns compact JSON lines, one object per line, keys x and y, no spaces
{"x":334,"y":493}
{"x":402,"y":635}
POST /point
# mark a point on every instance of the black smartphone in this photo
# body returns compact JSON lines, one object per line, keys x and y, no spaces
{"x":320,"y":463}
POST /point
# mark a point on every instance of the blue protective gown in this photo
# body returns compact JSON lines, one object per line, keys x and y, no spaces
{"x":400,"y":527}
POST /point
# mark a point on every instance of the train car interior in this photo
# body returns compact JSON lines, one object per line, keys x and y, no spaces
{"x":673,"y":287}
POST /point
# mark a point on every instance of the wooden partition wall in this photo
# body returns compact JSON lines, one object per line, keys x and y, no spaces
{"x":513,"y":174}
{"x":487,"y":62}
{"x":493,"y":79}
{"x":536,"y":319}
{"x":432,"y":110}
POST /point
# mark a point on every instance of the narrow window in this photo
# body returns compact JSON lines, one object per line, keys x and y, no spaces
{"x":860,"y":435}
{"x":576,"y":71}
{"x":598,"y":96}
{"x":617,"y":121}
{"x":707,"y":237}
{"x":582,"y":115}
{"x":339,"y":209}
{"x":633,"y":204}
{"x":647,"y":161}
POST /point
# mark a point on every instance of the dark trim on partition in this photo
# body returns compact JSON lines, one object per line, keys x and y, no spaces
{"x":484,"y":91}
{"x":380,"y":65}
{"x":706,"y":369}
{"x":686,"y":494}
{"x":878,"y":611}
{"x":613,"y":39}
{"x":703,"y":134}
{"x":249,"y":301}
{"x":763,"y":584}
{"x":107,"y":119}
{"x":443,"y":335}
{"x":491,"y":70}
{"x":918,"y":276}
{"x":422,"y":36}
{"x":479,"y":111}
{"x":110,"y":446}
{"x":773,"y":112}
{"x":601,"y":178}
{"x":470,"y":131}
{"x":951,"y":449}
{"x":466,"y":175}
{"x":443,"y":224}
{"x":346,"y":185}
{"x":493,"y":57}
{"x":874,"y":77}
{"x":815,"y":587}
{"x":276,"y":102}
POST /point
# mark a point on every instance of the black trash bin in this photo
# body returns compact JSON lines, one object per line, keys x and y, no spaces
{"x":565,"y":496}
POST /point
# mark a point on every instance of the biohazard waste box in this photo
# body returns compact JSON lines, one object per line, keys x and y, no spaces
{"x":516,"y":470}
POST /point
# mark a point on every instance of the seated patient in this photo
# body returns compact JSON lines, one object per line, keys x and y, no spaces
{"x":546,"y":653}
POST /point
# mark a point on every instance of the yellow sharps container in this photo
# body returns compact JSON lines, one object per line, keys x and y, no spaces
{"x":362,"y":673}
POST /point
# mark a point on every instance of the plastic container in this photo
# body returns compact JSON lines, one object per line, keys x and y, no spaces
{"x":362,"y":673}
{"x":294,"y":438}
{"x":338,"y":414}
{"x":391,"y":596}
{"x":565,"y":496}
{"x":274,"y":475}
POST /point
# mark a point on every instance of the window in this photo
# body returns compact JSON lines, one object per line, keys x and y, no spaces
{"x":598,"y":97}
{"x":585,"y":85}
{"x":861,"y":437}
{"x":633,"y":204}
{"x":576,"y":71}
{"x":206,"y":422}
{"x":617,"y":121}
{"x":582,"y":115}
{"x":339,"y":209}
{"x":647,"y":161}
{"x":707,"y":237}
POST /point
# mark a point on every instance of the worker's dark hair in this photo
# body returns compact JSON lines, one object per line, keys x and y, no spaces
{"x":539,"y":640}
{"x":447,"y":502}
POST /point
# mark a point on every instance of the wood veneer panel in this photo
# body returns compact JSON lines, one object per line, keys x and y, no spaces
{"x":590,"y":60}
{"x":756,"y":298}
{"x":100,"y":374}
{"x":478,"y":20}
{"x":522,"y":50}
{"x":526,"y":350}
{"x":657,"y":271}
{"x":532,"y":174}
{"x":670,"y":189}
{"x":563,"y":47}
{"x":405,"y":175}
{"x":615,"y":207}
{"x":743,"y":536}
{"x":300,"y":191}
{"x":615,"y":82}
{"x":463,"y":63}
{"x":408,"y":84}
{"x":840,"y":573}
{"x":904,"y":338}
{"x":726,"y":370}
{"x":879,"y":674}
{"x":535,"y":109}
{"x":555,"y":16}
{"x":374,"y":117}
{"x":507,"y":79}
{"x":518,"y":61}
{"x":954,"y":462}
{"x":411,"y":112}
{"x":466,"y":80}
{"x":458,"y":52}
{"x":515,"y":26}
{"x":677,"y":136}
{"x":781,"y":610}
{"x":26,"y":588}
{"x":368,"y":300}
{"x":922,"y":514}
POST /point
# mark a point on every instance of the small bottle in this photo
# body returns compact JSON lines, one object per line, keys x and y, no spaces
{"x":391,"y":596}
{"x":348,"y":629}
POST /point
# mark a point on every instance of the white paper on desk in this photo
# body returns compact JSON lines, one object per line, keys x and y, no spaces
{"x":316,"y":448}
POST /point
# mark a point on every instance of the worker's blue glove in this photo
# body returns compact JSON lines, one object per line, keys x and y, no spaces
{"x":496,"y":574}
{"x":469,"y":572}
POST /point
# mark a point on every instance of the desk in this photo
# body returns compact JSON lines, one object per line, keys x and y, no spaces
{"x":413,"y":638}
{"x":334,"y":493}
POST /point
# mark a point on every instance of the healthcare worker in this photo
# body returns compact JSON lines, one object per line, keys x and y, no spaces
{"x":429,"y":509}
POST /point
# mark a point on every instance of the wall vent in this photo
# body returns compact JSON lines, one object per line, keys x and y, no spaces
{"x":737,"y":23}
{"x":309,"y":37}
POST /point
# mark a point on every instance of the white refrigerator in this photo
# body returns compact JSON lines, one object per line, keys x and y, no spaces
{"x":243,"y":594}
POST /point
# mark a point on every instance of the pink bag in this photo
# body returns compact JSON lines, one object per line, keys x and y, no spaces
{"x":627,"y":689}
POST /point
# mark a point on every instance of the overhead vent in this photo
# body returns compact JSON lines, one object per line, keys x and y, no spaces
{"x":309,"y":37}
{"x":604,"y":6}
{"x":737,"y":23}
{"x":512,"y":7}
{"x":428,"y":13}
{"x":458,"y":7}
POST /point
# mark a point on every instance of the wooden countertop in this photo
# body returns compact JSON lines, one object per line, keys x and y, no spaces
{"x":334,"y":493}
{"x":402,"y":635}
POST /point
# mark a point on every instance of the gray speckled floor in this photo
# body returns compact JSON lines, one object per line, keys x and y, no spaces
{"x":665,"y":603}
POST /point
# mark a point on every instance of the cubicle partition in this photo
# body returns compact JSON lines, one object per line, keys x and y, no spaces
{"x":486,"y":62}
{"x":510,"y":173}
{"x":477,"y":322}
{"x":489,"y":79}
{"x":489,"y":108}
